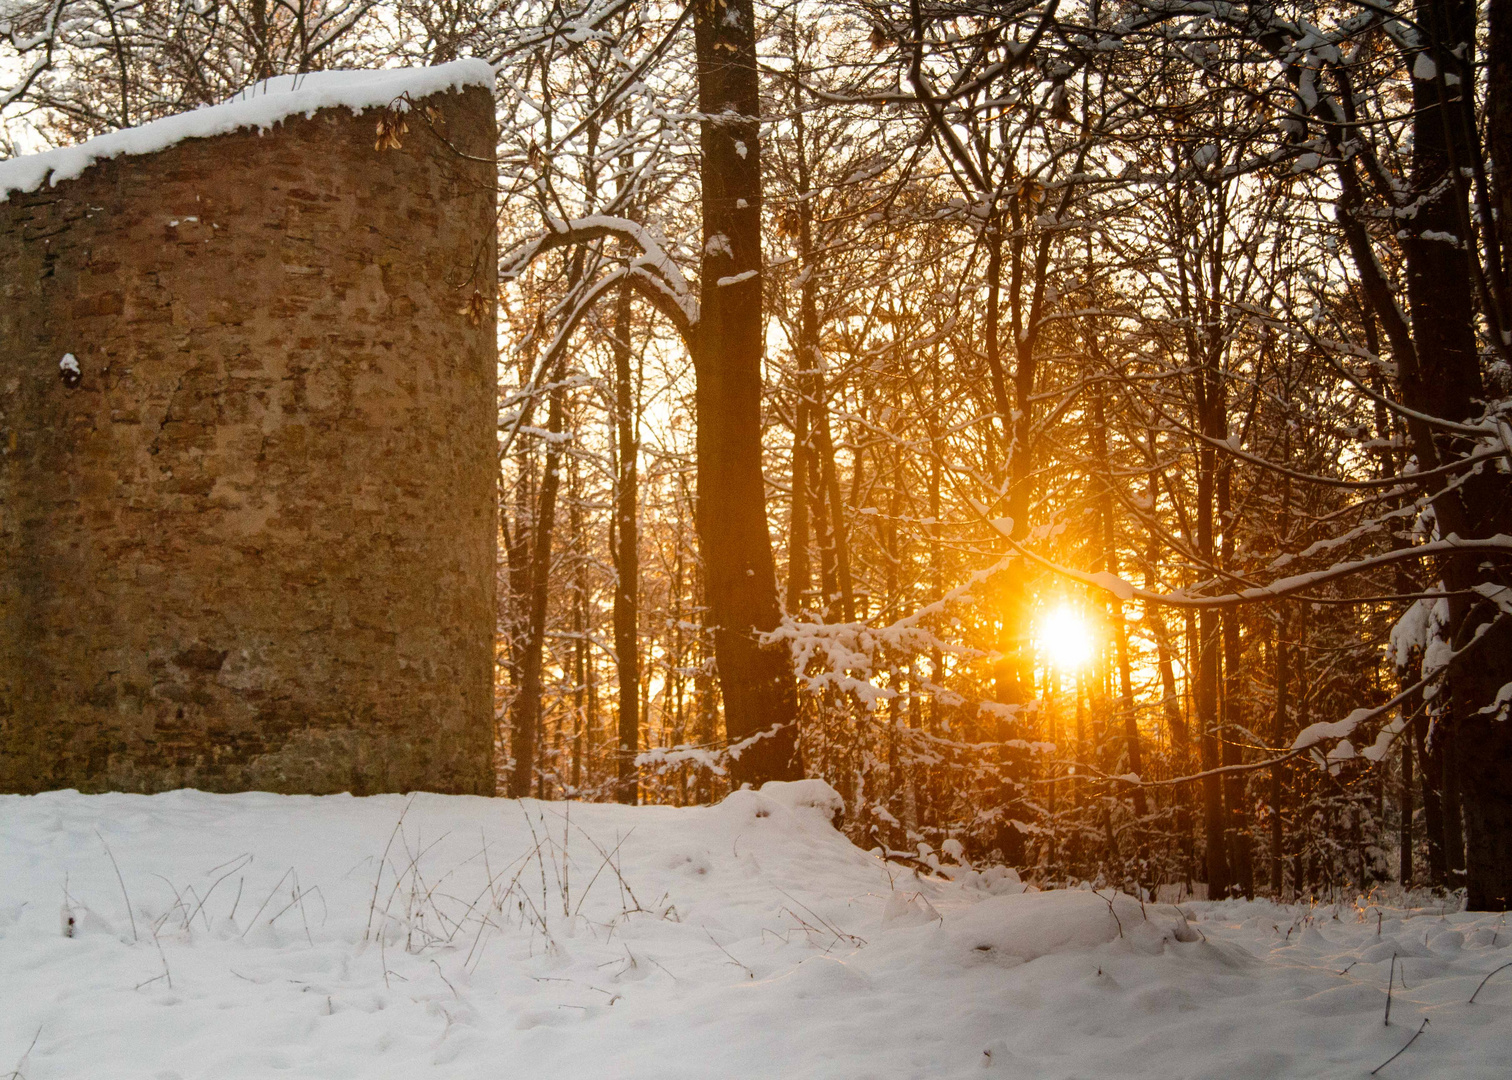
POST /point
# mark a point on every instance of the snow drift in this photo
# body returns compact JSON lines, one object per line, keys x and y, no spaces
{"x":194,"y":935}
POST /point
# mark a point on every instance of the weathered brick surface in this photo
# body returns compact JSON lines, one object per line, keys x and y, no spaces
{"x":253,"y":548}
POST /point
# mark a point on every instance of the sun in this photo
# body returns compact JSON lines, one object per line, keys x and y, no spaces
{"x":1064,"y":638}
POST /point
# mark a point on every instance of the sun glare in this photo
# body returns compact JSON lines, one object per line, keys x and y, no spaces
{"x":1065,"y":638}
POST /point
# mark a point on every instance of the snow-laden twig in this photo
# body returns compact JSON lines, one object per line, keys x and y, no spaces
{"x":653,"y":267}
{"x":843,"y":656}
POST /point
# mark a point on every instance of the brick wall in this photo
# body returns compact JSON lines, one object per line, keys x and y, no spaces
{"x":253,"y":546}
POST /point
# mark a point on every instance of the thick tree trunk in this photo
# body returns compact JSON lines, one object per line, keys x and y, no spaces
{"x":1499,"y":135}
{"x":1484,"y":745}
{"x":1439,"y":370}
{"x":760,"y":696}
{"x":626,"y":552}
{"x":1477,"y":754}
{"x":1499,"y":124}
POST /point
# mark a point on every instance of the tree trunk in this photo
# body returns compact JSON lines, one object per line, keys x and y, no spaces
{"x":1404,"y":832}
{"x":1499,"y":133}
{"x":626,"y":554}
{"x":1484,"y":745}
{"x":809,"y":378}
{"x":1108,"y":561}
{"x":512,"y":600}
{"x":580,"y":659}
{"x":1236,"y":817}
{"x":1209,"y":646}
{"x":1433,"y":807}
{"x":1235,"y":794}
{"x":757,"y":680}
{"x":1477,"y":768}
{"x":1207,"y":743}
{"x":839,"y":594}
{"x":1454,"y":836}
{"x":526,"y":718}
{"x":1181,"y":748}
{"x":798,"y":520}
{"x":1278,"y":777}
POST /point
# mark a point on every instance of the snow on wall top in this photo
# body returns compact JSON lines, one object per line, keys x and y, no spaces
{"x":261,"y":106}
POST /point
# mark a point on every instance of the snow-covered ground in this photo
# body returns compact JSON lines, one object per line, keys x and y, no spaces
{"x":466,"y":937}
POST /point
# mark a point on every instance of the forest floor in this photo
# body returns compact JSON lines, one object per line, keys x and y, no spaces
{"x":441,"y":936}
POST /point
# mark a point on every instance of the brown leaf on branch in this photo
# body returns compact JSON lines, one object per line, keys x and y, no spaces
{"x":391,"y":125}
{"x":475,"y":308}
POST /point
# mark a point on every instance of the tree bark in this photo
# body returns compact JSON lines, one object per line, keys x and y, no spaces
{"x":1499,"y":130}
{"x":1209,"y":643}
{"x":1235,"y":795}
{"x":1449,"y":785}
{"x":1108,"y":561}
{"x":760,"y":697}
{"x":1433,"y":807}
{"x":1484,"y":751}
{"x":798,"y":519}
{"x":1404,"y":831}
{"x":626,"y":554}
{"x":809,"y":377}
{"x":1448,"y":384}
{"x":580,"y":657}
{"x":526,"y":718}
{"x":1278,"y":738}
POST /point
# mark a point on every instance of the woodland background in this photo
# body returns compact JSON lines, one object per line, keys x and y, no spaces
{"x":844,"y":342}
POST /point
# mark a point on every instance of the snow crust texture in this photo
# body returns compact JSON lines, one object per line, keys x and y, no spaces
{"x":260,"y":106}
{"x":451,"y":936}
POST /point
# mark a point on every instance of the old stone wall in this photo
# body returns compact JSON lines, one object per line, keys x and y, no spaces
{"x":251,"y":544}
